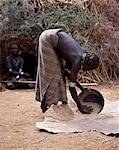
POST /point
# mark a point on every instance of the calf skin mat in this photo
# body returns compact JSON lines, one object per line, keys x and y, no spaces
{"x":106,"y":122}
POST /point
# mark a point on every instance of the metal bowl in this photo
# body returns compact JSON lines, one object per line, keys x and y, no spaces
{"x":91,"y":97}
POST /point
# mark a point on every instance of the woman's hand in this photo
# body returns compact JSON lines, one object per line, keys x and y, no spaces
{"x":85,"y":109}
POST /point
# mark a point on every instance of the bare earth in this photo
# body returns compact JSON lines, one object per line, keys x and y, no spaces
{"x":19,"y":113}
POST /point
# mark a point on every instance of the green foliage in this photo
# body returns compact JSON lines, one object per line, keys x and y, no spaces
{"x":18,"y":19}
{"x":73,"y":19}
{"x":14,"y":10}
{"x":71,"y":15}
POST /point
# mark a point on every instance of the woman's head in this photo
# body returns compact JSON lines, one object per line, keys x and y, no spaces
{"x":91,"y":61}
{"x":14,"y":48}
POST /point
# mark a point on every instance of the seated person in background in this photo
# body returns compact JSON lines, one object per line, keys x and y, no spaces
{"x":15,"y":68}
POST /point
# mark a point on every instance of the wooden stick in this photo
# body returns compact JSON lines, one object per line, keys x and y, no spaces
{"x":27,"y":82}
{"x":34,"y":82}
{"x":89,"y":84}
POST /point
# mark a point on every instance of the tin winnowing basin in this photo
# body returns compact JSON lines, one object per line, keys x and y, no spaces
{"x":91,"y":97}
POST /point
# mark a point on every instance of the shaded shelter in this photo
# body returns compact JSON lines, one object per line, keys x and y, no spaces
{"x":27,"y":51}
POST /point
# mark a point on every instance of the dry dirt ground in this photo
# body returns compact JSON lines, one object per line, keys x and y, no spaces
{"x":19,"y":112}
